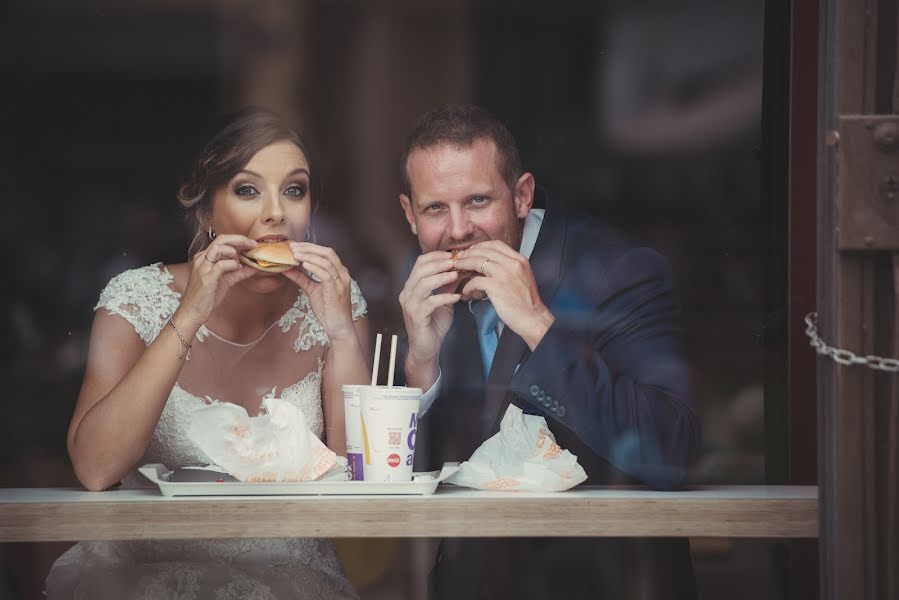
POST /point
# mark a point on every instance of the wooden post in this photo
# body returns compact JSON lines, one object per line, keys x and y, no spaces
{"x":858,"y":232}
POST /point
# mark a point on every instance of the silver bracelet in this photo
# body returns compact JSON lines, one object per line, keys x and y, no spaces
{"x":180,"y":337}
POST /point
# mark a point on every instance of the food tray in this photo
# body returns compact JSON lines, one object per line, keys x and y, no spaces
{"x":422,"y":484}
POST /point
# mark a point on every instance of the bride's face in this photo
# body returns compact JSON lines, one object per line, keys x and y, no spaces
{"x":269,"y":198}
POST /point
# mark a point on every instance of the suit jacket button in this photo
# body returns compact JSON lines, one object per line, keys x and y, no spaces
{"x":548,"y":401}
{"x":561,"y":412}
{"x":534,"y":390}
{"x":541,"y":395}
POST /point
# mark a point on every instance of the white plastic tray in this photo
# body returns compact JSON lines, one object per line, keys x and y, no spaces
{"x":422,"y":484}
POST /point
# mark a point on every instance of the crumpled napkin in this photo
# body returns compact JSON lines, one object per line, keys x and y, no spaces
{"x":277,"y":445}
{"x":523,"y":457}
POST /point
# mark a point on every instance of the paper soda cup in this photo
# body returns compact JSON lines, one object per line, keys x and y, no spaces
{"x":354,"y":441}
{"x":389,"y":425}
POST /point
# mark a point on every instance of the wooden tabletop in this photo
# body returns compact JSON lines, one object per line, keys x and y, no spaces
{"x":54,"y":514}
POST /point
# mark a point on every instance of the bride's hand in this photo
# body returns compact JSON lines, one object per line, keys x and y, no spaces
{"x":330,"y":296}
{"x":213,"y":272}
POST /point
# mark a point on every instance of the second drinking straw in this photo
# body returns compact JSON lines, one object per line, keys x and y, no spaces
{"x":392,"y":360}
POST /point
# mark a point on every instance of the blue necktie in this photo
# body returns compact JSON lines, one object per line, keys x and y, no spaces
{"x":486,"y":318}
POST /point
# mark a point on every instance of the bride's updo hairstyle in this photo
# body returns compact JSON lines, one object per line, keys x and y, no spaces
{"x":224,"y":156}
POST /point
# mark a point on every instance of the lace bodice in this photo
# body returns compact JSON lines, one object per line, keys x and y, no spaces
{"x":286,"y":361}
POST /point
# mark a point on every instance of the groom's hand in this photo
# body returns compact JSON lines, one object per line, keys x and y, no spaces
{"x":428,"y":314}
{"x":506,"y":278}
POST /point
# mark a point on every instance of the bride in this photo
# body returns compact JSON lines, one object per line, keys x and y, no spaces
{"x":168,"y":339}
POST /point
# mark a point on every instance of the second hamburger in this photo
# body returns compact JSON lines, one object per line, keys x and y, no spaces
{"x":464,"y":275}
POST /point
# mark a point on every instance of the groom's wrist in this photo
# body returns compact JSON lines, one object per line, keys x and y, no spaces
{"x":421,"y":373}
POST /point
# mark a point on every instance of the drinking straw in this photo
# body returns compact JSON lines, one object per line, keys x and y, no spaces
{"x":392,"y":360}
{"x":374,"y":370}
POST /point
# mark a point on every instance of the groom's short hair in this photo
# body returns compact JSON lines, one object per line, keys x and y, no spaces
{"x":460,"y":125}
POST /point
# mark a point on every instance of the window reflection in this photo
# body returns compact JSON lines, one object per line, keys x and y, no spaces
{"x":646,"y":116}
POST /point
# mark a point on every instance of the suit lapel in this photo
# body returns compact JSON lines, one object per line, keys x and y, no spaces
{"x":546,"y":264}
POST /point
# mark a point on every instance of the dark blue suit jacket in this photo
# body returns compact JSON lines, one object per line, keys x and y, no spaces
{"x":611,"y":379}
{"x":610,"y":375}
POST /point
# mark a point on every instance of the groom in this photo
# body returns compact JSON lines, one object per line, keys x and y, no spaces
{"x":562,"y":318}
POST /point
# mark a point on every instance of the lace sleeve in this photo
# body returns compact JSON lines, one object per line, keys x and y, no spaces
{"x":142,"y":297}
{"x":360,"y":307}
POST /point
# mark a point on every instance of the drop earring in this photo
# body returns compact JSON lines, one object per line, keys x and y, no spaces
{"x":211,"y":233}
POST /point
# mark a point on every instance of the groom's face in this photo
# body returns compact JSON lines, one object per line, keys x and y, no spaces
{"x":459,"y":198}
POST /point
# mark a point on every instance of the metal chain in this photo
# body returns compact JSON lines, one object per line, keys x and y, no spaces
{"x":845,"y":357}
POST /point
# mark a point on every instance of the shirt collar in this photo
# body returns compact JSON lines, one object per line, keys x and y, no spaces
{"x":532,"y":224}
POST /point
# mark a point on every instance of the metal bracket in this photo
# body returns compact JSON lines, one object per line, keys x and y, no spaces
{"x":868,"y":182}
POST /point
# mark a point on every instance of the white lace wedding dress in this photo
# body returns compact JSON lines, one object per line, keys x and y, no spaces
{"x":286,"y":361}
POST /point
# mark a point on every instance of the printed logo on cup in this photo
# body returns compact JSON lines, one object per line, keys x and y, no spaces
{"x":389,"y":427}
{"x":410,"y":441}
{"x":355,"y":440}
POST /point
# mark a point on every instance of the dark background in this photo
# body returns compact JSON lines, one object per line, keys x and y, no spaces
{"x":667,"y":120}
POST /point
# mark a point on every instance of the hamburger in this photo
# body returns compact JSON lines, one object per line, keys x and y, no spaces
{"x":464,"y":275}
{"x":271,"y":257}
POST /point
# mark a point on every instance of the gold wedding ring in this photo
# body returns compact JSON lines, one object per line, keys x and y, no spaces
{"x":483,"y":264}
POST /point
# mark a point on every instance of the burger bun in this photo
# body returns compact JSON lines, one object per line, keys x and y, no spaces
{"x":270,"y":257}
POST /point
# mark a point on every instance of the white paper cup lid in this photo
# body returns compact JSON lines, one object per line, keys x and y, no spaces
{"x":396,"y":390}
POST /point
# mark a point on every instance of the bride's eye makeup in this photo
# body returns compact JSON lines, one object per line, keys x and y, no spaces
{"x":245,"y":190}
{"x":296,"y":190}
